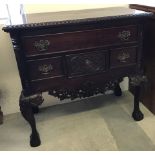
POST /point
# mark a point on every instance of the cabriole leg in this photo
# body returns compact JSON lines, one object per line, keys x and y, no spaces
{"x":136,"y":81}
{"x":35,"y":109}
{"x":137,"y":114}
{"x":117,"y":90}
{"x":26,"y":108}
{"x":1,"y":116}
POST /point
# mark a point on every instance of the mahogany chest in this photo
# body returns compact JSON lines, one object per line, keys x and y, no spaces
{"x":77,"y":54}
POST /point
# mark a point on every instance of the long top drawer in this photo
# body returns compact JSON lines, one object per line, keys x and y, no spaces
{"x":49,"y":43}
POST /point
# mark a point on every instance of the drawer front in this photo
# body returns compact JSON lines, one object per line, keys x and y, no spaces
{"x":43,"y":44}
{"x":123,"y":57}
{"x":74,"y":83}
{"x":45,"y":68}
{"x":86,"y":63}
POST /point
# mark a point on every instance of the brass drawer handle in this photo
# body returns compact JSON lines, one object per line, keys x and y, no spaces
{"x":123,"y":57}
{"x":124,"y":35}
{"x":41,"y":45}
{"x":45,"y":69}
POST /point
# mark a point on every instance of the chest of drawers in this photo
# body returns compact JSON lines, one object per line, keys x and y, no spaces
{"x":77,"y":54}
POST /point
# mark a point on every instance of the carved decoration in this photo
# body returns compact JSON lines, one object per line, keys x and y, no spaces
{"x":86,"y":63}
{"x":15,"y":44}
{"x":86,"y":90}
{"x":137,"y":79}
{"x":34,"y":100}
{"x":26,"y":108}
{"x":69,"y":22}
{"x":19,"y":58}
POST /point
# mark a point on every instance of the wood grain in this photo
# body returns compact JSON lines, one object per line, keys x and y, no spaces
{"x":142,"y":7}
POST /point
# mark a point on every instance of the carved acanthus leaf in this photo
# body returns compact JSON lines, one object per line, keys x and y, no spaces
{"x":86,"y":90}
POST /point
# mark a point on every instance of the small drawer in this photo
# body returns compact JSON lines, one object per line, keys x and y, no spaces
{"x":67,"y":41}
{"x":123,"y":57}
{"x":86,"y":63}
{"x":45,"y":68}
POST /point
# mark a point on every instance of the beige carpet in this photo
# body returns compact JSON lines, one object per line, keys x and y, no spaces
{"x":97,"y":123}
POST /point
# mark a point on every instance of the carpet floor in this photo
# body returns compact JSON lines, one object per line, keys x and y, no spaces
{"x":97,"y":123}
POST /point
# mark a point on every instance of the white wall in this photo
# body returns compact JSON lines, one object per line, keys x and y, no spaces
{"x":9,"y":79}
{"x":36,"y":8}
{"x":10,"y":86}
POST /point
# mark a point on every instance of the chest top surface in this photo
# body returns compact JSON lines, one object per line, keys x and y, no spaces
{"x":49,"y":19}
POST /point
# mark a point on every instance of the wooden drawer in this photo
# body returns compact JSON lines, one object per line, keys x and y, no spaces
{"x":43,"y":44}
{"x":45,"y":68}
{"x":74,"y":83}
{"x":122,"y":57}
{"x":86,"y":63}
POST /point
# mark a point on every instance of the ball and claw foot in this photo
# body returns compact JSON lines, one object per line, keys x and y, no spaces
{"x":118,"y":91}
{"x":35,"y":140}
{"x":137,"y":115}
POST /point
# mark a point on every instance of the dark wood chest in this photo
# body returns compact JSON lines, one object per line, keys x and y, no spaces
{"x":81,"y":54}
